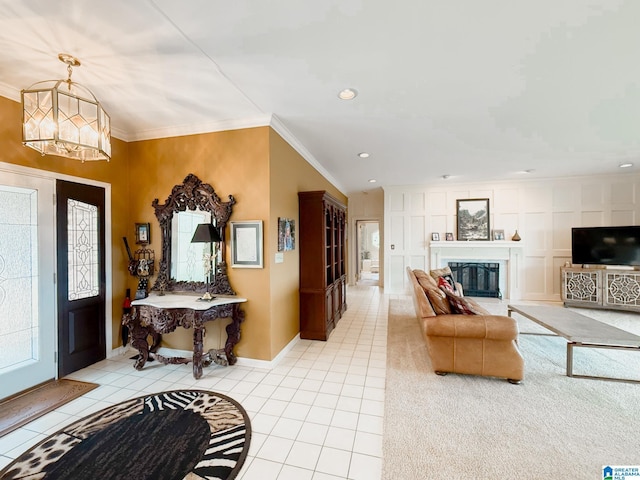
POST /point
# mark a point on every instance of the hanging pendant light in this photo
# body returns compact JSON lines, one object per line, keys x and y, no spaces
{"x":61,"y":117}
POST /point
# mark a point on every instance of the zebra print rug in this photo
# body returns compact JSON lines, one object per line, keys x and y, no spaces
{"x":176,"y":435}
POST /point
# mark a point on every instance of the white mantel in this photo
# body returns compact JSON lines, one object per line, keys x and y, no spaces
{"x":508,"y":254}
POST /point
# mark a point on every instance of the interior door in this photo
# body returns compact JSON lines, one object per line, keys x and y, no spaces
{"x":81,"y":275}
{"x":27,"y":290}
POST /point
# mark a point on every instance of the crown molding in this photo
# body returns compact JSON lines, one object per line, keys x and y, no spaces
{"x":284,"y":132}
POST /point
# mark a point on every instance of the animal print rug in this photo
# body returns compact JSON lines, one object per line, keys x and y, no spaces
{"x":182,"y":434}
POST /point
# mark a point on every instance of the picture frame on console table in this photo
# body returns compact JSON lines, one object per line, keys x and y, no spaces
{"x":246,"y":244}
{"x":473,"y":219}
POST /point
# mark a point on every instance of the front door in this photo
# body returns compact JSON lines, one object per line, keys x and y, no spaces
{"x":81,"y":275}
{"x":27,"y":290}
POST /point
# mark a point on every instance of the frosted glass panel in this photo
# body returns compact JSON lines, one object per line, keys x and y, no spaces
{"x":82,"y":230}
{"x":18,"y":277}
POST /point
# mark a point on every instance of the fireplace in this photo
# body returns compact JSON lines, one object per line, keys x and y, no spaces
{"x":508,"y":255}
{"x":478,"y":279}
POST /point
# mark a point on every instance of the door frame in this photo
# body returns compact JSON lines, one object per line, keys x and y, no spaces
{"x":34,"y":172}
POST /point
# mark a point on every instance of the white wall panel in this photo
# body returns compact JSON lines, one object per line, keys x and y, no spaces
{"x":397,"y":274}
{"x":592,"y":219}
{"x":396,"y":202}
{"x":396,"y":235}
{"x":623,"y":193}
{"x":535,"y":231}
{"x":566,"y":198}
{"x":623,"y":217}
{"x":592,"y":196}
{"x":506,"y":200}
{"x":535,"y":280}
{"x":561,"y":232}
{"x":418,"y":202}
{"x":417,"y":236}
{"x":543,"y":211}
{"x":437,"y":203}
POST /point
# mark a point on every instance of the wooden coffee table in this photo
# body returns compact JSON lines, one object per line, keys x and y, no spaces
{"x":579,"y":331}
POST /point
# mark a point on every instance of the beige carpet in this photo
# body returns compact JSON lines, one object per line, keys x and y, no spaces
{"x":468,"y":427}
{"x":25,"y":407}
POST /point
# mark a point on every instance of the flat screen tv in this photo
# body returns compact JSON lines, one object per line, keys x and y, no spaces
{"x":605,"y":245}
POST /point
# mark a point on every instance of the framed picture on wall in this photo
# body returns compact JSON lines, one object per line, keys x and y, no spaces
{"x":246,"y":244}
{"x":473,"y":219}
{"x":286,"y":234}
{"x":143,"y":233}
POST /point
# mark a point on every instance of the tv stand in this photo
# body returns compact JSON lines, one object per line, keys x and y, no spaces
{"x":612,"y":288}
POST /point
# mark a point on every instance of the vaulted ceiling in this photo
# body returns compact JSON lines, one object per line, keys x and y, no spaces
{"x":471,"y":89}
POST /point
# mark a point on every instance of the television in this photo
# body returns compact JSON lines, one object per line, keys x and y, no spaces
{"x":605,"y":245}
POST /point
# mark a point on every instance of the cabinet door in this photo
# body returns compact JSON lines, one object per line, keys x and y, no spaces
{"x":329,"y":313}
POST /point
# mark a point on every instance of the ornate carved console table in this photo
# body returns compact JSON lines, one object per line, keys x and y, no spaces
{"x":158,"y":314}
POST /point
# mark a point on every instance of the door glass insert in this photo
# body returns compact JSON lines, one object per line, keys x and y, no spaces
{"x":18,"y":277}
{"x":84,"y":260}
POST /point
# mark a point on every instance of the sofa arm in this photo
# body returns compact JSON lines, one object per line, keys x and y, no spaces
{"x":494,"y":327}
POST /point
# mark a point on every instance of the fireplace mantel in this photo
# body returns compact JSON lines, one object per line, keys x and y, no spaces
{"x":508,"y":254}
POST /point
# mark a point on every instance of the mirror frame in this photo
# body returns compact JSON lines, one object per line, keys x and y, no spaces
{"x":192,"y":194}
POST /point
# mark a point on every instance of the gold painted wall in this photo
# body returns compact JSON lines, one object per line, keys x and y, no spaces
{"x":290,"y":174}
{"x":259,"y":168}
{"x":113,"y":172}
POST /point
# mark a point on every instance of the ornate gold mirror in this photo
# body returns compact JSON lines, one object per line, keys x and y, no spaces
{"x":182,"y":265}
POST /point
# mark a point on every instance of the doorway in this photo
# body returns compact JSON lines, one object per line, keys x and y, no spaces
{"x":81,"y":288}
{"x":368,"y":254}
{"x":27,"y":288}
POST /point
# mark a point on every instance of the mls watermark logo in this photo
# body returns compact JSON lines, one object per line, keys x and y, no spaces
{"x":621,"y":472}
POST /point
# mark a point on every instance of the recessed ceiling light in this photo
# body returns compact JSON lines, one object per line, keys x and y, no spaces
{"x":445,"y":177}
{"x":347,"y":94}
{"x":373,"y":180}
{"x":363,"y":155}
{"x":626,"y":165}
{"x":529,"y":170}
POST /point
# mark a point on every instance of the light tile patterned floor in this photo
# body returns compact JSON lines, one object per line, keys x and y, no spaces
{"x":316,"y":415}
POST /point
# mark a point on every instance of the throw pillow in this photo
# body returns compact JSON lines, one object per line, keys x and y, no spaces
{"x":446,"y":274}
{"x":425,"y":280}
{"x":460,"y":304}
{"x":444,"y":284}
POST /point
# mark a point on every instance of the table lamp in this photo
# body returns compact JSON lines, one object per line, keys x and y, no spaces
{"x":207,"y":233}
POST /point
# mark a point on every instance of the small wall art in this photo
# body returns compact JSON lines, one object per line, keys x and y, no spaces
{"x":286,"y":234}
{"x":246,"y":244}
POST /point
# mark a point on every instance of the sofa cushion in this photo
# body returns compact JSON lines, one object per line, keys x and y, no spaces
{"x":439,"y":302}
{"x":425,"y":280}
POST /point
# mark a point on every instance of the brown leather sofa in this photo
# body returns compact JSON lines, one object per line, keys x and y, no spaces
{"x":476,"y":344}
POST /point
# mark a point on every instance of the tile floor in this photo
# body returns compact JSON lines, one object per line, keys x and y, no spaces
{"x":315,"y":415}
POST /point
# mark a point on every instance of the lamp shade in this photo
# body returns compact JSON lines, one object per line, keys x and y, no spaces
{"x":205,"y":233}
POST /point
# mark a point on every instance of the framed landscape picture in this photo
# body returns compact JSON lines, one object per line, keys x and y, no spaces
{"x":473,"y":219}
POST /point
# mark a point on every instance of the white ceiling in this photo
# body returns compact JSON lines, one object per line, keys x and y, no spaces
{"x":474,"y":89}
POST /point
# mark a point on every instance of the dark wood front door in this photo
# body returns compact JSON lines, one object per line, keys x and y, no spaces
{"x":81,"y":286}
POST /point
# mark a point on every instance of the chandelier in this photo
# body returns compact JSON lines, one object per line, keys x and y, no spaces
{"x":61,"y":117}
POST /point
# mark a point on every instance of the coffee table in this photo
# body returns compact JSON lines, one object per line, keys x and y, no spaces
{"x":579,"y":331}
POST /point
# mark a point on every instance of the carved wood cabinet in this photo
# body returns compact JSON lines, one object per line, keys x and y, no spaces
{"x":323,"y":283}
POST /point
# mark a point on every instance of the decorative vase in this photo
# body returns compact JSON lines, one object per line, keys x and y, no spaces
{"x":516,"y":237}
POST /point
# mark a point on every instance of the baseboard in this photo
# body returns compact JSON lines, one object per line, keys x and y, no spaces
{"x":242,"y":361}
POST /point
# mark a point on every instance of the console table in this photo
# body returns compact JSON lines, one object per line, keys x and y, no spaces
{"x":158,"y":314}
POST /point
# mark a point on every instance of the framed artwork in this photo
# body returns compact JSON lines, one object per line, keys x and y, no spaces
{"x":435,"y":237}
{"x":473,"y":219}
{"x":286,"y":234}
{"x":449,"y":237}
{"x":498,"y":234}
{"x":246,"y":244}
{"x":143,"y":233}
